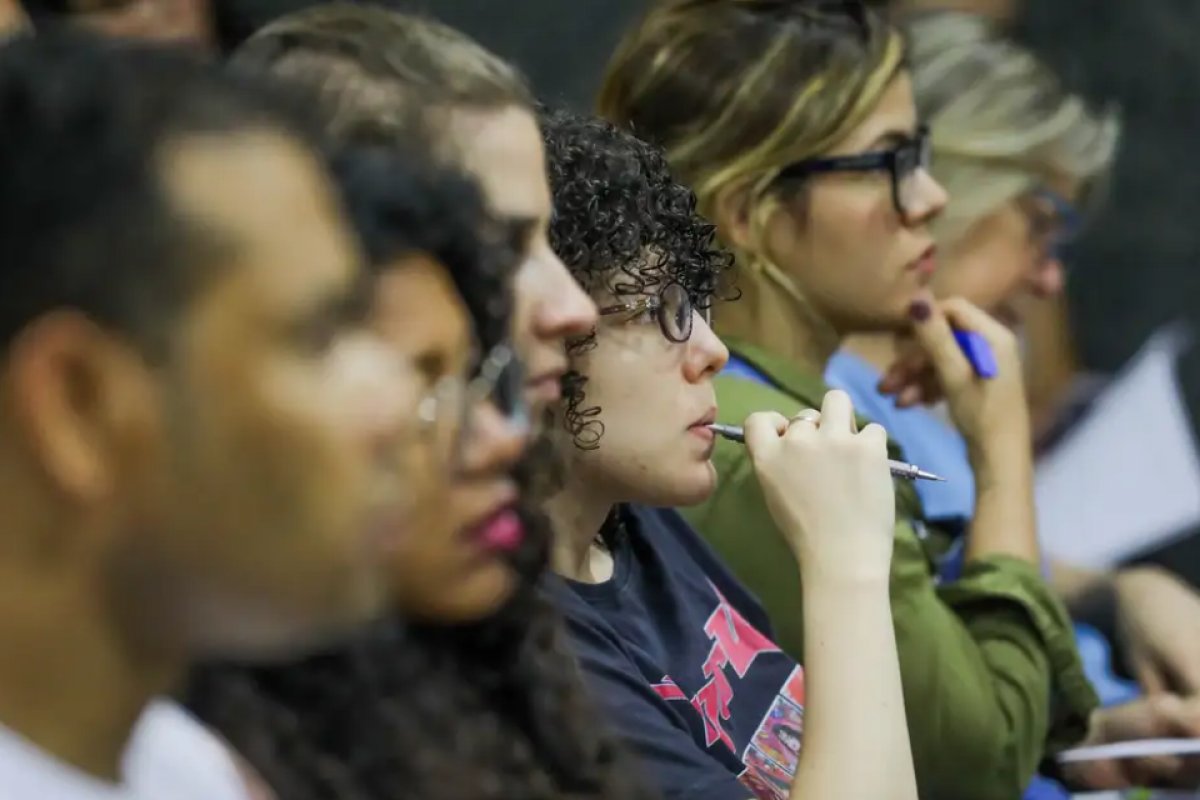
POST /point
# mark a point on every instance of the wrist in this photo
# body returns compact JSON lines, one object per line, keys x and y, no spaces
{"x":1120,"y":579}
{"x":1074,"y":777}
{"x":844,"y":608}
{"x":822,"y":575}
{"x":1001,"y":459}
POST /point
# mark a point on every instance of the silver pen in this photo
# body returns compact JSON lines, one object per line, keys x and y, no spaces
{"x":909,"y":472}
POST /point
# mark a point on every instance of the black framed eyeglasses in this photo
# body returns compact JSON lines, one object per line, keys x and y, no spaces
{"x":446,"y":412}
{"x":1054,"y":221}
{"x":904,"y":163}
{"x":672,"y":308}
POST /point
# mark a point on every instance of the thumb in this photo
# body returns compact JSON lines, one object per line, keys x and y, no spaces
{"x":932,"y":330}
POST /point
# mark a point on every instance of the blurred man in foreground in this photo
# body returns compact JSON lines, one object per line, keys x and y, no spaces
{"x":190,"y":467}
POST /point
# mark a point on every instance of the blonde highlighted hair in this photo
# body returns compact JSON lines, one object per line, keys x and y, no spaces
{"x":1001,"y":121}
{"x":736,"y":90}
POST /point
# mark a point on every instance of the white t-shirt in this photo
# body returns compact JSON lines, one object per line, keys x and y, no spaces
{"x":170,"y":756}
{"x":27,"y":773}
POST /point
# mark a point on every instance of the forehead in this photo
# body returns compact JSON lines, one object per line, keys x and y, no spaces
{"x":270,"y":200}
{"x":895,"y":113}
{"x":503,"y":149}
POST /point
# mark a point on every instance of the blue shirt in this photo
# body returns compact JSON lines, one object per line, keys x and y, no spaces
{"x":927,"y":440}
{"x":679,"y":654}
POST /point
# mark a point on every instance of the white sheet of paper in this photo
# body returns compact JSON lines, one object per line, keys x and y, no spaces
{"x":1128,"y":477}
{"x":1138,"y":748}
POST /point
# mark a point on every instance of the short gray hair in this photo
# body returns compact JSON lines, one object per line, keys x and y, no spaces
{"x":379,"y":74}
{"x":1001,"y":121}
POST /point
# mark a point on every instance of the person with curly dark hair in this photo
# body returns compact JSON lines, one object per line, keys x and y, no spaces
{"x":676,"y":650}
{"x":468,"y":691}
{"x":426,"y":233}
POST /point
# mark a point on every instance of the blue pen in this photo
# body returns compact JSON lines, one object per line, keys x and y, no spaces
{"x":978,"y":352}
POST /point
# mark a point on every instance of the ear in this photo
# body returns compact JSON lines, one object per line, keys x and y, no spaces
{"x":733,"y":210}
{"x":78,"y":394}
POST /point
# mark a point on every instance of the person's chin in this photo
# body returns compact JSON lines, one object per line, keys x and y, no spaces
{"x":694,"y":487}
{"x":471,"y":598}
{"x":893,"y":319}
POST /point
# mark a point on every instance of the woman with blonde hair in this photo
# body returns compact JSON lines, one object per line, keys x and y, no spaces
{"x":1023,"y":158}
{"x":795,"y":124}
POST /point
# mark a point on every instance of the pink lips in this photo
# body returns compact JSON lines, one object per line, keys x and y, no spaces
{"x":503,"y":533}
{"x":926,"y":265}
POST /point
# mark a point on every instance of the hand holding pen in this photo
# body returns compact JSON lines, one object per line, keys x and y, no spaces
{"x":827,"y":487}
{"x":977,"y":366}
{"x":899,"y":469}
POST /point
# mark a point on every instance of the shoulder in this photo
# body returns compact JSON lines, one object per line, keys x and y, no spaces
{"x":677,"y":543}
{"x":692,"y":558}
{"x":171,"y":754}
{"x":660,"y":525}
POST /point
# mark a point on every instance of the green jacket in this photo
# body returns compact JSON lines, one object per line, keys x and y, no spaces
{"x":992,"y":679}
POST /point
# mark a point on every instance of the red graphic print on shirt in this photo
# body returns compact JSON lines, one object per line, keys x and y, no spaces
{"x":774,"y":751}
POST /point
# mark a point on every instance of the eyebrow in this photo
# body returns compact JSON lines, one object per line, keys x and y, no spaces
{"x":518,"y":230}
{"x":893,"y":138}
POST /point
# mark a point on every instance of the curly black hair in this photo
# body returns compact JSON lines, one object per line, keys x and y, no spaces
{"x":624,"y":225}
{"x":494,"y":710}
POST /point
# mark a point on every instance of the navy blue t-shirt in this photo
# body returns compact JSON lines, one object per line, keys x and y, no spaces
{"x":678,"y":653}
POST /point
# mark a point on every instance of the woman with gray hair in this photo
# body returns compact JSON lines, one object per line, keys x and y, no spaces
{"x":1015,"y":151}
{"x":1018,"y":155}
{"x":1020,"y":158}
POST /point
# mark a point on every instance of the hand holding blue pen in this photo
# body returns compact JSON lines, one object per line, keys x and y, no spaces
{"x":978,"y":352}
{"x":975,"y":363}
{"x":914,"y":380}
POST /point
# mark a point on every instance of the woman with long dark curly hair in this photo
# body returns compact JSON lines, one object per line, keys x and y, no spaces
{"x":467,"y":692}
{"x":677,"y":651}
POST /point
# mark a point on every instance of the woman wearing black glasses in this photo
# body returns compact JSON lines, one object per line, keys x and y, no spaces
{"x":1022,"y":177}
{"x":795,"y":124}
{"x":674,"y":648}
